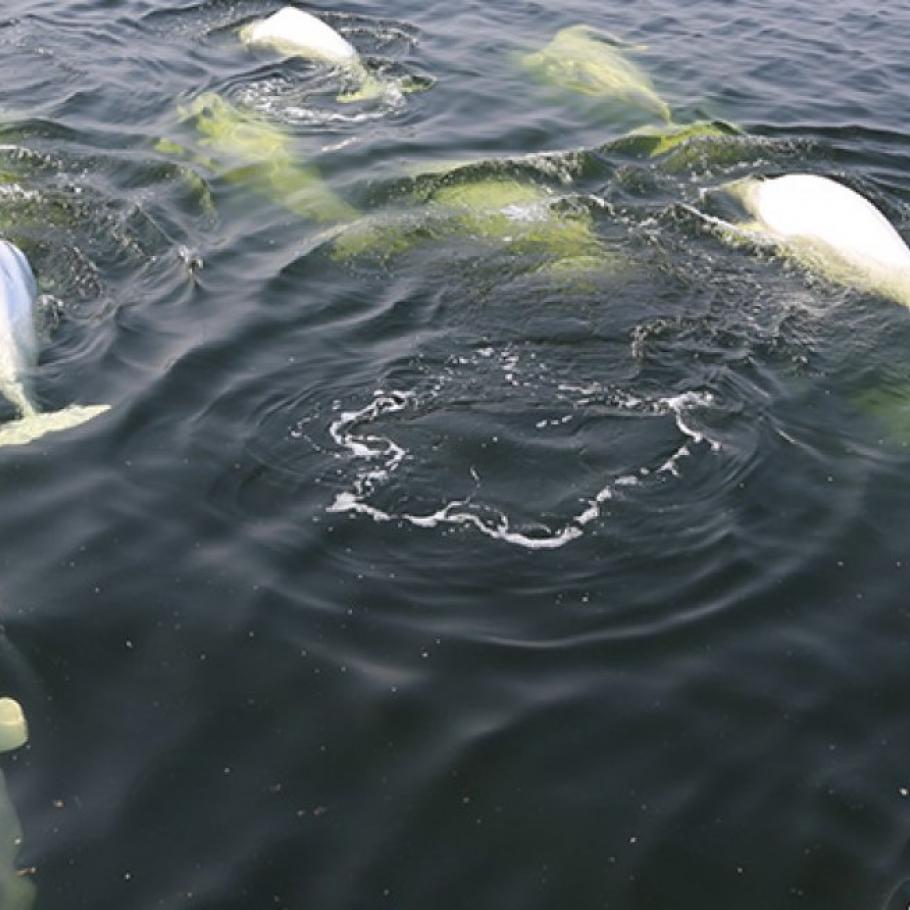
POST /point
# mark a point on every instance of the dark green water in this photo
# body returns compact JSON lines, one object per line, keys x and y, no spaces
{"x":432,"y":572}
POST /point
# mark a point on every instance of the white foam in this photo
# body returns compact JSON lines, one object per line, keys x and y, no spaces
{"x":383,"y":456}
{"x":290,"y":105}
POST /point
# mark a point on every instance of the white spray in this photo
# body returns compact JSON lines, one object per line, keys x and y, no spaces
{"x":296,"y":33}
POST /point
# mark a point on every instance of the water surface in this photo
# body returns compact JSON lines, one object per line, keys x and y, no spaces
{"x":442,"y":574}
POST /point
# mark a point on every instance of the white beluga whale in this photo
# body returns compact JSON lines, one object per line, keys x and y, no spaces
{"x":17,"y":892}
{"x":19,"y":355}
{"x":293,"y":32}
{"x":829,"y":228}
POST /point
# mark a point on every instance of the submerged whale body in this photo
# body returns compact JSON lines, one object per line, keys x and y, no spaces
{"x":581,"y":59}
{"x":829,"y":227}
{"x":292,"y":31}
{"x":17,"y":892}
{"x":19,"y":355}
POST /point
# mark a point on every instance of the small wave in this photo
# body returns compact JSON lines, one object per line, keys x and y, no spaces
{"x":311,"y":103}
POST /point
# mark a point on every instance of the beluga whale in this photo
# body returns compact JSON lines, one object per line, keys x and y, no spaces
{"x":829,"y":228}
{"x":583,"y":59}
{"x":19,"y":355}
{"x":17,"y":892}
{"x":296,"y":33}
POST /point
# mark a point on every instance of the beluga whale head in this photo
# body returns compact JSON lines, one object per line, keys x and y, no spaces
{"x":294,"y":32}
{"x":19,"y":355}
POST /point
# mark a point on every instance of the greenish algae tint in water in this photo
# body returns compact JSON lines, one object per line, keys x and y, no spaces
{"x":580,"y":59}
{"x":482,"y":518}
{"x":496,"y":209}
{"x":246,"y":149}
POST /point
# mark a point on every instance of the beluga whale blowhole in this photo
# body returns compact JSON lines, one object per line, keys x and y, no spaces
{"x":829,"y":228}
{"x":19,"y":355}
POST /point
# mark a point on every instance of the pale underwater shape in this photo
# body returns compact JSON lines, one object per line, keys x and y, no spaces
{"x":679,"y":143}
{"x":13,"y":728}
{"x":829,"y":228}
{"x":244,"y":148}
{"x":520,"y":214}
{"x":17,"y":891}
{"x":581,"y":60}
{"x":889,"y":407}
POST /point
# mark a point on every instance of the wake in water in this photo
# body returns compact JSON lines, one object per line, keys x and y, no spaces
{"x":531,"y":440}
{"x":394,"y":466}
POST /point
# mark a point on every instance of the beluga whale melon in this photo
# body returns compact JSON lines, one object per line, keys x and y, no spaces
{"x":19,"y":355}
{"x":829,"y":228}
{"x":296,"y":33}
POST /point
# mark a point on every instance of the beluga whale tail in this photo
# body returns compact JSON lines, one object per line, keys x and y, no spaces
{"x":293,"y":32}
{"x":19,"y":355}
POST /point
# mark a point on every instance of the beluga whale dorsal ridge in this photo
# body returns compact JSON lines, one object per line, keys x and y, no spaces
{"x":829,"y":227}
{"x":293,"y":31}
{"x":19,"y":355}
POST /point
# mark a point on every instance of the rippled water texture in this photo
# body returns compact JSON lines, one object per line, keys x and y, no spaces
{"x":474,"y":524}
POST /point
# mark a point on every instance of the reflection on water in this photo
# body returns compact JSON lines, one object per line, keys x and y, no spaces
{"x":473,"y":521}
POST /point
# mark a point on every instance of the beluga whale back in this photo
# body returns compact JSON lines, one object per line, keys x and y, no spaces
{"x":828,"y":227}
{"x":19,"y":355}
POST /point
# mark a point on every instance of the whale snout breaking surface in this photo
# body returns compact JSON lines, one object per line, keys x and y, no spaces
{"x":296,"y":33}
{"x":293,"y":31}
{"x":19,"y":355}
{"x":831,"y":228}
